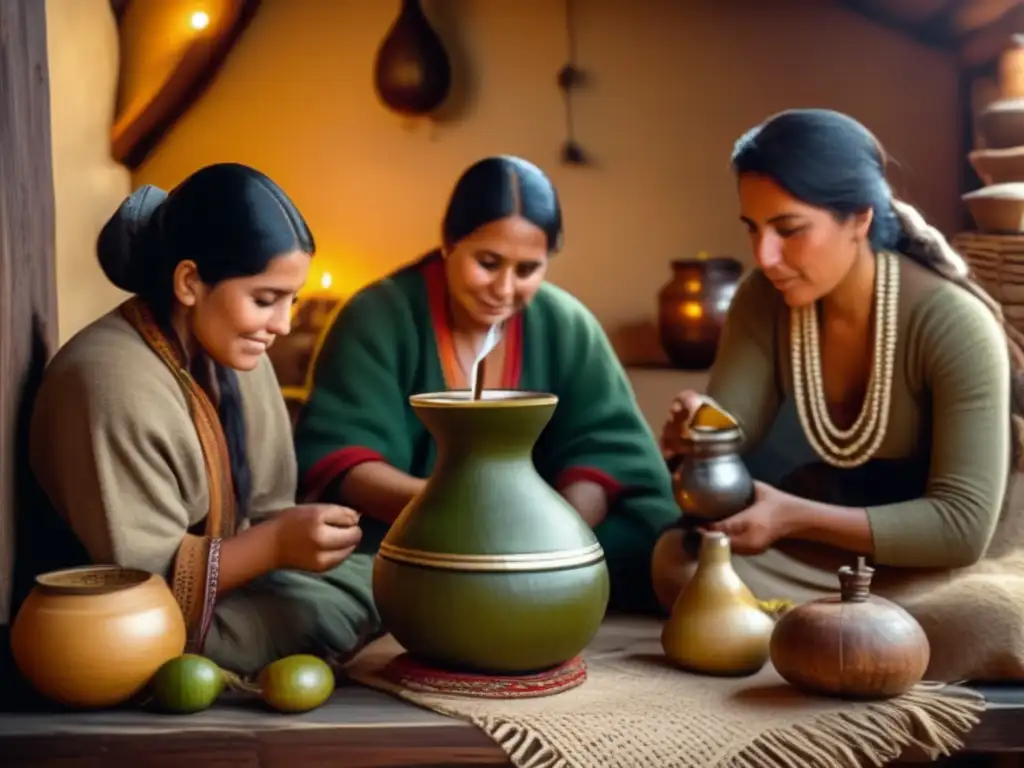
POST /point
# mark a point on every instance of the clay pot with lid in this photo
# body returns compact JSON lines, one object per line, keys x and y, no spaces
{"x":93,"y":637}
{"x":490,"y":569}
{"x":692,"y":307}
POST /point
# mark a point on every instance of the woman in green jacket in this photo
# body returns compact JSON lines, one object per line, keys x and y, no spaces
{"x":419,"y":329}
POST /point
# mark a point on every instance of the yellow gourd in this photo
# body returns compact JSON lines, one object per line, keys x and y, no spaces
{"x":717,"y":626}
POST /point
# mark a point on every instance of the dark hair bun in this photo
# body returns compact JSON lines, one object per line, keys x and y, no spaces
{"x":121,"y":247}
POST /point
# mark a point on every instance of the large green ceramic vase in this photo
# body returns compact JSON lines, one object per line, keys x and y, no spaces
{"x":489,"y":569}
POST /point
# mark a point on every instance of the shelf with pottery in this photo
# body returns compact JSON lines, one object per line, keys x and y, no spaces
{"x":995,"y":252}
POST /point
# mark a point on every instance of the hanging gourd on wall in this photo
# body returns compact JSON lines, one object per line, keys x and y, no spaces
{"x":412,"y":74}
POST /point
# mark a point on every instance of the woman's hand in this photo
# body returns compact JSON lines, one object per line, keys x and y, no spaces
{"x":683,"y":406}
{"x":589,"y":500}
{"x":760,"y":525}
{"x":315,"y":537}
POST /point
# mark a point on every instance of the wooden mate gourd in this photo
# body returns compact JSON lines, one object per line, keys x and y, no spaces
{"x":854,"y":645}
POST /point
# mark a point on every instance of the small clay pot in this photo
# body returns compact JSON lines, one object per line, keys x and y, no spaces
{"x":998,"y":208}
{"x":93,"y":637}
{"x":412,"y":74}
{"x":998,"y":166}
{"x":1002,"y":124}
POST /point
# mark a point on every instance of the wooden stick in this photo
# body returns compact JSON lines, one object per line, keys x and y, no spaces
{"x":478,"y":384}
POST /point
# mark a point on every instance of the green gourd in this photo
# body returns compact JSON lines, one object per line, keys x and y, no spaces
{"x":296,"y":683}
{"x":191,"y":683}
{"x":187,"y":684}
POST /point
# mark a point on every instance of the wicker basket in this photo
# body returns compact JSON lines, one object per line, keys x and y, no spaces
{"x":997,"y":263}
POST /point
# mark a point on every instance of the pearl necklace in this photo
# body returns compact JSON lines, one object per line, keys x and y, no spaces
{"x":847,"y":448}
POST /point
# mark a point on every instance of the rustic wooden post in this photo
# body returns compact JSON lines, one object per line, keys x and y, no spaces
{"x":28,"y":305}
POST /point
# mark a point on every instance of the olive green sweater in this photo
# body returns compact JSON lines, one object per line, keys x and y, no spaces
{"x":949,"y":414}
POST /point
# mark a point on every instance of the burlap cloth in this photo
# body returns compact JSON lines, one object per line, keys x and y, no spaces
{"x":635,"y":711}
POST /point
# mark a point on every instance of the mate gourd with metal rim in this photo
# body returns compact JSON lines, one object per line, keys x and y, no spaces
{"x":490,"y":569}
{"x":709,"y":478}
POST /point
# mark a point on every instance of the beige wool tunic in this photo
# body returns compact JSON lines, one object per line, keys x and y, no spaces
{"x":115,"y":449}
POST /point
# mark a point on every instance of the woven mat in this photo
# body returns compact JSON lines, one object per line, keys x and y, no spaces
{"x":405,"y":671}
{"x":635,"y":711}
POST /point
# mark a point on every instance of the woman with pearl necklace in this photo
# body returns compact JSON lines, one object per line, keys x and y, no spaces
{"x":861,"y":337}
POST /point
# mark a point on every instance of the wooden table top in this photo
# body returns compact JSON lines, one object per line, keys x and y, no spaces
{"x":371,"y":729}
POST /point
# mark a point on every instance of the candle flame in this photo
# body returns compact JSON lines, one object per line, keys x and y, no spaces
{"x":692,"y":310}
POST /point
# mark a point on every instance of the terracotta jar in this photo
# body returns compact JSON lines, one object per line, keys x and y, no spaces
{"x":692,"y":308}
{"x":93,"y":637}
{"x":997,"y":208}
{"x":1002,"y":123}
{"x":489,"y":569}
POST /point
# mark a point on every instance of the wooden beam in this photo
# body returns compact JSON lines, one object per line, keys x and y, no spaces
{"x":984,"y":46}
{"x":929,"y":29}
{"x":974,"y":15}
{"x":136,"y":134}
{"x":28,"y":305}
{"x":912,"y":11}
{"x":119,"y":7}
{"x":940,"y":27}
